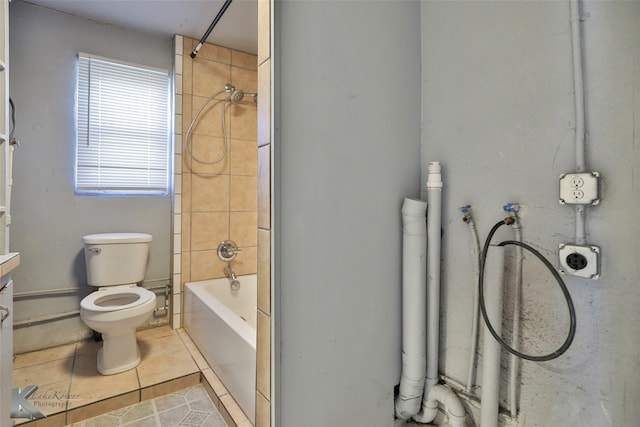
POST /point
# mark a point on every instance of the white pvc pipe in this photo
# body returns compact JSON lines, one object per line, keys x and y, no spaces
{"x":493,"y":298}
{"x":443,"y":395}
{"x":453,"y":405}
{"x":414,"y":297}
{"x":434,"y":222}
{"x":434,"y":225}
{"x":435,"y":394}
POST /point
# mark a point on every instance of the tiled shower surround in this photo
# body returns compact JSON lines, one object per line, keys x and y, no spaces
{"x":230,"y":200}
{"x":263,"y":356}
{"x":216,"y":202}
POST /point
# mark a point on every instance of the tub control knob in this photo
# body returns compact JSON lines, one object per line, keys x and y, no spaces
{"x":228,"y":250}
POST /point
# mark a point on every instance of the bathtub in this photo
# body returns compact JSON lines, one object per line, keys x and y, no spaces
{"x":222,"y":323}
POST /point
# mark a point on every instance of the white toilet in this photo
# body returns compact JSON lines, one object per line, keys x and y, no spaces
{"x":116,"y":263}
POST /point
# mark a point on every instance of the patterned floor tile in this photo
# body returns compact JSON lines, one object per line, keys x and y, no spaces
{"x":185,"y":408}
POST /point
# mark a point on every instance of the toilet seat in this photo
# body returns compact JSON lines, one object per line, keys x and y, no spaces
{"x":110,"y":300}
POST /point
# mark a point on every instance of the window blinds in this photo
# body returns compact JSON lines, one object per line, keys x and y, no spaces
{"x":122,"y":127}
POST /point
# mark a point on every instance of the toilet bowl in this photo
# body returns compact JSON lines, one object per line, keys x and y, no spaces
{"x":116,"y":313}
{"x":115,"y":263}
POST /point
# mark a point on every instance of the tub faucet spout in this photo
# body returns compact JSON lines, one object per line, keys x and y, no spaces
{"x":235,"y":283}
{"x":228,"y":272}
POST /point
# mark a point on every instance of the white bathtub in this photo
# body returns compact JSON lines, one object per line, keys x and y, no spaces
{"x":222,"y":323}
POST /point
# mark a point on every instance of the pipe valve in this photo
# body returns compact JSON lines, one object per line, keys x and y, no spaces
{"x":227,"y":250}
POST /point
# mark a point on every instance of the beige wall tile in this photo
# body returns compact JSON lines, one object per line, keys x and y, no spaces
{"x":245,"y":80}
{"x":214,"y":53}
{"x":264,"y":103}
{"x":263,"y":405}
{"x":243,"y":193}
{"x":186,"y":232}
{"x":210,"y":120}
{"x":206,"y":265}
{"x":244,"y":121}
{"x":186,"y":267}
{"x":207,"y":190}
{"x":187,"y":45}
{"x":209,"y":193}
{"x":186,"y":194}
{"x":187,"y":161}
{"x":187,"y":75}
{"x":243,"y":157}
{"x":264,"y":187}
{"x":264,"y":35}
{"x":209,"y":77}
{"x":263,"y":411}
{"x":208,"y":229}
{"x":264,"y":271}
{"x":187,"y":110}
{"x":244,"y":60}
{"x":206,"y":193}
{"x":244,"y":228}
{"x":263,"y":355}
{"x":209,"y":149}
{"x":246,"y":261}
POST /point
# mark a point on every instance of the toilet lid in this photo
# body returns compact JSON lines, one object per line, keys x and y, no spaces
{"x":116,"y":299}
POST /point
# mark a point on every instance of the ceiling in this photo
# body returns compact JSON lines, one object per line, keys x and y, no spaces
{"x":236,"y":29}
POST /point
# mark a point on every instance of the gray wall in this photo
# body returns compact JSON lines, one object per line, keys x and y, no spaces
{"x":497,"y":111}
{"x":346,"y":153}
{"x":48,"y":219}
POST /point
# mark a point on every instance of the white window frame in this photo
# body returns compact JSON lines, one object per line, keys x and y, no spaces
{"x":123,"y":144}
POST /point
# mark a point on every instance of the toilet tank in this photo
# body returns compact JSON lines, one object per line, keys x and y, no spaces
{"x":116,"y":258}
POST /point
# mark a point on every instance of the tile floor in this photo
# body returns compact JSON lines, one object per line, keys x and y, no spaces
{"x":190,"y":407}
{"x":70,"y":390}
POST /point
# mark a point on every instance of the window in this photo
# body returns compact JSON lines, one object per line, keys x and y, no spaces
{"x":123,"y":121}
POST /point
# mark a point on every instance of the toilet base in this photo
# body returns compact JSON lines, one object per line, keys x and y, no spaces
{"x":119,"y":353}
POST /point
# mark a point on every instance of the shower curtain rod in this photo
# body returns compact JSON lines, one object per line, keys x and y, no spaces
{"x":223,"y":9}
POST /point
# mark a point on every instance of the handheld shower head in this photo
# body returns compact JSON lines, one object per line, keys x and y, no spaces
{"x":237,"y":96}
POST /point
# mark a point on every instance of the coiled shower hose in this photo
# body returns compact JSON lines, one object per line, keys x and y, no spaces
{"x":556,"y":275}
{"x":187,"y":140}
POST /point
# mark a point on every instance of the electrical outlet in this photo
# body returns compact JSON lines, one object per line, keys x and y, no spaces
{"x":579,"y":188}
{"x":580,"y":260}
